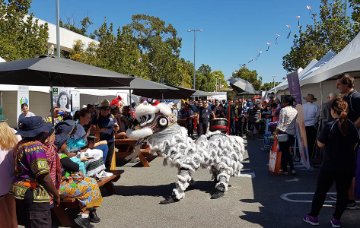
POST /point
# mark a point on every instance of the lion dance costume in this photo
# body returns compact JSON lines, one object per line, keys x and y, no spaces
{"x":220,"y":153}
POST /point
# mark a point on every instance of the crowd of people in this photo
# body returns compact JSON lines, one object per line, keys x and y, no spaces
{"x":40,"y":164}
{"x":243,"y":116}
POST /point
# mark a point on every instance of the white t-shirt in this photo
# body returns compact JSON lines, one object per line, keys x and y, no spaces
{"x":29,"y":114}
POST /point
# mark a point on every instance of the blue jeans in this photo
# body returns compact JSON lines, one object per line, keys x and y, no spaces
{"x":105,"y":149}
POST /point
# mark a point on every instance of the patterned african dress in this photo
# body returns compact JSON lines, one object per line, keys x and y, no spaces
{"x":30,"y":163}
{"x":84,"y":189}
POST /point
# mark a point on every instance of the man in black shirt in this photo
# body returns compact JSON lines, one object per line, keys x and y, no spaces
{"x":345,"y":85}
{"x":204,"y":117}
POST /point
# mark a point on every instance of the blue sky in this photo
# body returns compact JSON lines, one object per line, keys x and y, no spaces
{"x":233,"y":30}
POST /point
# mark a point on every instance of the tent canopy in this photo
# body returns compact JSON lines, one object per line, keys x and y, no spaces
{"x":140,"y":83}
{"x":179,"y":93}
{"x":200,"y":93}
{"x":347,"y":60}
{"x":48,"y":71}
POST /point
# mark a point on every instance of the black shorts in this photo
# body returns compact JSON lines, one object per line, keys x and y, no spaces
{"x":32,"y":214}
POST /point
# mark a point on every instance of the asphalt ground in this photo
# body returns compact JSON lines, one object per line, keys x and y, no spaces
{"x":255,"y":199}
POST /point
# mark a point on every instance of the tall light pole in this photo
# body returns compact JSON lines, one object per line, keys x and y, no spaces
{"x":273,"y":81}
{"x":194,"y":31}
{"x":57,"y":28}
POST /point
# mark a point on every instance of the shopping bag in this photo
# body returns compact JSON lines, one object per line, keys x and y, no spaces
{"x":275,"y":158}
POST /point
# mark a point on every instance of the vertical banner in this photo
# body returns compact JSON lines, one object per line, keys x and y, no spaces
{"x":75,"y":100}
{"x":62,"y":98}
{"x":22,"y":98}
{"x":295,"y":91}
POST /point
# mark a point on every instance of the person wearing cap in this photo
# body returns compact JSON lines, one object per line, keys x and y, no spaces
{"x":32,"y":186}
{"x":311,"y":115}
{"x":25,"y":111}
{"x":108,"y":126}
{"x":73,"y":183}
{"x":8,"y":141}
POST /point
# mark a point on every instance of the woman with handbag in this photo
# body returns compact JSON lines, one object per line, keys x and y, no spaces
{"x":285,"y":133}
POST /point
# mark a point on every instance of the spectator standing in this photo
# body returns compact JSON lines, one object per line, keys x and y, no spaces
{"x":286,"y":125}
{"x":311,"y":114}
{"x":187,"y":114}
{"x":8,"y":141}
{"x":204,"y":118}
{"x":345,"y":84}
{"x":232,"y":116}
{"x":25,"y":112}
{"x":33,"y":186}
{"x":339,"y":138}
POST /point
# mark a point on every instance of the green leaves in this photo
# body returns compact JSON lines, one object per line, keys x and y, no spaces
{"x":249,"y":75}
{"x":331,"y":30}
{"x":21,"y":36}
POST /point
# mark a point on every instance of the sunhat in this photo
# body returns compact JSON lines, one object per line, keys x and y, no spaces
{"x":32,"y":126}
{"x":311,"y":97}
{"x":105,"y":104}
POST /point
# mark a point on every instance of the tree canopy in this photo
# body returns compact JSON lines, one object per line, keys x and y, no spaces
{"x":331,"y":30}
{"x":250,"y":76}
{"x":21,"y":36}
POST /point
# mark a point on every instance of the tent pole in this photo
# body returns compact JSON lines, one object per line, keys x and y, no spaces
{"x":51,"y":104}
{"x":130,"y":97}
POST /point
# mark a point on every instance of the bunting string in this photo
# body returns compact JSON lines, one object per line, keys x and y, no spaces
{"x":277,"y":38}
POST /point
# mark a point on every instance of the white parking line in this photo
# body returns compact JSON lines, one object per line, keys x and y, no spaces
{"x":286,"y":197}
{"x":247,"y":174}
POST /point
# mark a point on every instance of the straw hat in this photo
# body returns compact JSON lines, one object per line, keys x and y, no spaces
{"x":310,"y":97}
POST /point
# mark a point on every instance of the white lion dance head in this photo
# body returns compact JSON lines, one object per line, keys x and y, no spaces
{"x":152,"y":118}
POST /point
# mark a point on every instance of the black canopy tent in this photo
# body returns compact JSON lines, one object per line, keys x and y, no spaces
{"x":175,"y":92}
{"x":50,"y":71}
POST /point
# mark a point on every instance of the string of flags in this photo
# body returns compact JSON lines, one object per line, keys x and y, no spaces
{"x":277,"y":37}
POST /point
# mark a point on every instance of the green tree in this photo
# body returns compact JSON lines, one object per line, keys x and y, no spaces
{"x":83,"y":30}
{"x":250,"y":76}
{"x":331,"y":30}
{"x":21,"y":36}
{"x":355,"y":15}
{"x":268,"y":85}
{"x":220,"y":82}
{"x":159,"y":46}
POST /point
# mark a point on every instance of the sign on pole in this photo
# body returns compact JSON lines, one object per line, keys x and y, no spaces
{"x":22,"y":98}
{"x":295,"y":91}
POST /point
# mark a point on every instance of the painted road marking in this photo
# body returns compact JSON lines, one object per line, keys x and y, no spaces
{"x":247,"y":174}
{"x":293,"y":197}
